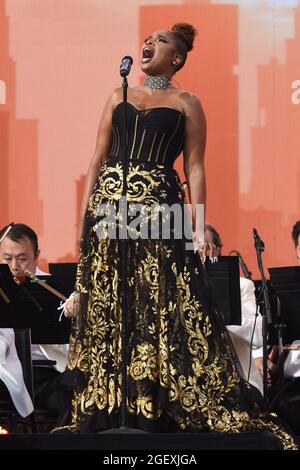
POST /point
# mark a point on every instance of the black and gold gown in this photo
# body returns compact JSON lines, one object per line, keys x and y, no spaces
{"x":180,"y":370}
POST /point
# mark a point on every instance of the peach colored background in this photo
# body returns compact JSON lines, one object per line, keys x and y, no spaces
{"x":59,"y":61}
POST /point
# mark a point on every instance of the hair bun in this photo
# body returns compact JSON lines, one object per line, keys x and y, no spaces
{"x":186,"y":32}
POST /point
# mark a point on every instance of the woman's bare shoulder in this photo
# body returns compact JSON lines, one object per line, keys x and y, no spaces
{"x":190,"y":103}
{"x":116,"y":95}
{"x":190,"y":100}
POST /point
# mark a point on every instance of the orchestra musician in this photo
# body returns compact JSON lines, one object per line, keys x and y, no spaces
{"x":285,"y":392}
{"x":19,"y":249}
{"x":241,"y":335}
{"x":292,"y":362}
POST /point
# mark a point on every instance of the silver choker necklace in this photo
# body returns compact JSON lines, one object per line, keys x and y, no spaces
{"x":157,"y":82}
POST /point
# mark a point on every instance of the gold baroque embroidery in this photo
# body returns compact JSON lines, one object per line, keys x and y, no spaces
{"x":144,"y":363}
{"x":142,"y":185}
{"x":202,"y":388}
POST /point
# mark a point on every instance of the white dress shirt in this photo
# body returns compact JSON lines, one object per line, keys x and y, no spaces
{"x":241,"y":334}
{"x":11,"y":373}
{"x":292,"y":362}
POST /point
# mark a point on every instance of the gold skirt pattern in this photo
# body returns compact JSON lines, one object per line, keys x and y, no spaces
{"x":181,"y":372}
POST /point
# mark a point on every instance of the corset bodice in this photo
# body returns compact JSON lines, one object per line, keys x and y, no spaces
{"x":154,"y":135}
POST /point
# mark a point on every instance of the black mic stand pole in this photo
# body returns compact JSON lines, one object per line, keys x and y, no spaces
{"x":123,"y":253}
{"x":123,"y":238}
{"x":265,"y":311}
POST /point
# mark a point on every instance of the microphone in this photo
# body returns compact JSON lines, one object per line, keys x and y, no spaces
{"x":125,"y":66}
{"x":258,"y":243}
{"x":244,"y":267}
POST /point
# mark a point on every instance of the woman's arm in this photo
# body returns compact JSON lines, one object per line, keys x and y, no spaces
{"x":193,"y":152}
{"x":103,"y":144}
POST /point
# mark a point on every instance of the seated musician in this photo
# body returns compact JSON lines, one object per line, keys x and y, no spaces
{"x":19,"y":249}
{"x":241,"y":335}
{"x":292,"y":362}
{"x":286,"y":389}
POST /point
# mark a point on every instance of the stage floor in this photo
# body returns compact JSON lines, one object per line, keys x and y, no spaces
{"x":131,"y":441}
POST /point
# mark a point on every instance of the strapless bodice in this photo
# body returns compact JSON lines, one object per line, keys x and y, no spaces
{"x":154,"y":135}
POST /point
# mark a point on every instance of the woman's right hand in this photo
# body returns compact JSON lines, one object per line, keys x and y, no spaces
{"x":71,"y":308}
{"x":205,"y":248}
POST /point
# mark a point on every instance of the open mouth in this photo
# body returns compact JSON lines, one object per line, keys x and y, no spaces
{"x":148,"y":53}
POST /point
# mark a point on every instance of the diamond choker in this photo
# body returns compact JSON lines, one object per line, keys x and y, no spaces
{"x":157,"y":82}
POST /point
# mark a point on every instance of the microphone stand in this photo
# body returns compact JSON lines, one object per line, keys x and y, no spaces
{"x":265,"y":310}
{"x":247,"y":273}
{"x":123,"y":253}
{"x":123,"y":239}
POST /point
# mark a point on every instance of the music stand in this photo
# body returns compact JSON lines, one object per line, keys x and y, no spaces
{"x":32,"y":306}
{"x":224,"y":280}
{"x":50,"y":327}
{"x":14,"y":302}
{"x":286,"y":284}
{"x":66,"y":272}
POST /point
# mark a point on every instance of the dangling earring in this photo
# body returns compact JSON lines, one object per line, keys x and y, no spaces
{"x":174,"y":62}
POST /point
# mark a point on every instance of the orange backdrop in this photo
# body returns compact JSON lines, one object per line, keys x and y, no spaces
{"x":59,"y":61}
